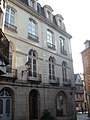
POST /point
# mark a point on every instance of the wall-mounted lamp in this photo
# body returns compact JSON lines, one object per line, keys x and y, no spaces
{"x":27,"y":66}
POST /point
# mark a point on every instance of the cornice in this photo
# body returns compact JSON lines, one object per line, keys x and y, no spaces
{"x":40,"y":17}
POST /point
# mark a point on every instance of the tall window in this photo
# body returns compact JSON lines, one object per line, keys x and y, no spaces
{"x":50,"y":38}
{"x":32,"y":28}
{"x":64,"y":72}
{"x":32,"y":60}
{"x":51,"y":68}
{"x":9,"y":17}
{"x":62,"y":44}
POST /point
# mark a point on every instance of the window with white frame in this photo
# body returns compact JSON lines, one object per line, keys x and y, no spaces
{"x":52,"y":68}
{"x":9,"y":17}
{"x":50,"y":39}
{"x":33,"y":63}
{"x":64,"y":71}
{"x":32,"y":29}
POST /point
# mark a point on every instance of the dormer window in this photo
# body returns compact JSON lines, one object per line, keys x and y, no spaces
{"x":59,"y":22}
{"x":32,"y":3}
{"x":48,"y":12}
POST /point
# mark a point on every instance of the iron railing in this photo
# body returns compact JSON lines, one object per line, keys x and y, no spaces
{"x":11,"y":26}
{"x":53,"y":79}
{"x":34,"y":77}
{"x":52,"y":46}
{"x":11,"y":73}
{"x":63,"y":51}
{"x":31,"y":36}
{"x":67,"y":82}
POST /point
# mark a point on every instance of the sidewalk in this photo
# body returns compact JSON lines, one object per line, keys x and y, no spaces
{"x":83,"y":116}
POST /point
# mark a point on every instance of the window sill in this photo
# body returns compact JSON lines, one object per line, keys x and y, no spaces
{"x":33,"y":38}
{"x":63,"y":52}
{"x":14,"y":29}
{"x":51,"y":47}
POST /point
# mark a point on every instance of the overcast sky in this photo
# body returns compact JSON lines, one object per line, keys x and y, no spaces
{"x":77,"y":21}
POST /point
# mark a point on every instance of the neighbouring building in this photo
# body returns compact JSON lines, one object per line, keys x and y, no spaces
{"x":86,"y":65}
{"x":40,"y":71}
{"x":4,"y":43}
{"x":79,"y":94}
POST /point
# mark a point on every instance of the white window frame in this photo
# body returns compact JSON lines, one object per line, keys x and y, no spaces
{"x":11,"y":14}
{"x":32,"y":28}
{"x":64,"y":70}
{"x":49,"y":38}
{"x":51,"y":68}
{"x":31,"y":59}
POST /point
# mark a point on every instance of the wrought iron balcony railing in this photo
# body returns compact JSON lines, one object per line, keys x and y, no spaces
{"x":63,"y":51}
{"x":66,"y":82}
{"x":33,"y":37}
{"x":11,"y":26}
{"x":34,"y":77}
{"x":52,"y":46}
{"x":54,"y":80}
{"x":11,"y":73}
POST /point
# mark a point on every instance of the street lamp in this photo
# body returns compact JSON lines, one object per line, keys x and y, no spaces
{"x":27,"y":66}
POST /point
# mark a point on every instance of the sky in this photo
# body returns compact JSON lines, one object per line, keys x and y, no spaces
{"x":77,"y":22}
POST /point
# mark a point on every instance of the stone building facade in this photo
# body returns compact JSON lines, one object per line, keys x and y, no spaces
{"x":40,"y":71}
{"x":86,"y":65}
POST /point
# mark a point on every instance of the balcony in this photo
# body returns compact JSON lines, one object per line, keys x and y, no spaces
{"x":33,"y":37}
{"x":4,"y":48}
{"x":10,"y":26}
{"x":53,"y":80}
{"x":34,"y":78}
{"x":63,"y":51}
{"x":10,"y":75}
{"x":66,"y":82}
{"x":51,"y":46}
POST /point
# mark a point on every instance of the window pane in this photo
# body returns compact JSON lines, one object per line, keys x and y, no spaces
{"x":7,"y":106}
{"x":1,"y":106}
{"x":32,"y":27}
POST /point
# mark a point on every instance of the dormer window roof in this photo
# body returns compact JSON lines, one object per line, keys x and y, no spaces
{"x":59,"y":22}
{"x":32,"y":3}
{"x":48,"y":12}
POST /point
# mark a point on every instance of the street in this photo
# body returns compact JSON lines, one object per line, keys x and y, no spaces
{"x":83,"y":116}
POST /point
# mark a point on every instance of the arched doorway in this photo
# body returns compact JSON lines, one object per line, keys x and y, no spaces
{"x":5,"y":104}
{"x":61,"y":103}
{"x":34,"y":104}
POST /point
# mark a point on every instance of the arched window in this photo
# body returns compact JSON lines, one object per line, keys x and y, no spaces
{"x":61,"y":104}
{"x":33,"y":63}
{"x":51,"y":68}
{"x":64,"y":71}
